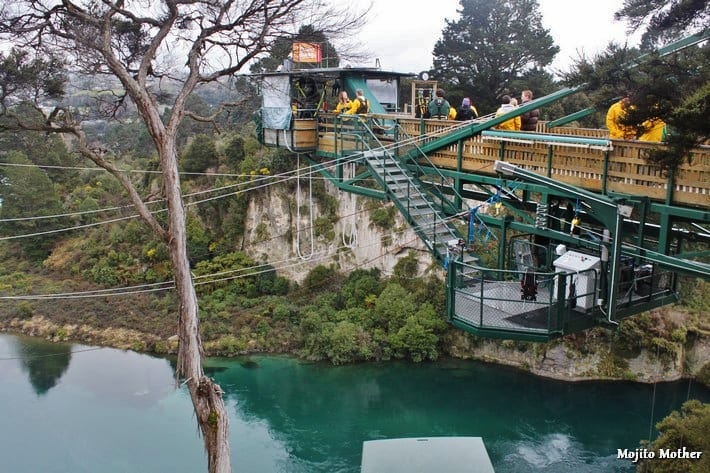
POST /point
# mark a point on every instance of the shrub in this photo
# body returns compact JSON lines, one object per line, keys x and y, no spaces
{"x":24,"y":310}
{"x":318,"y":276}
{"x":383,"y":217}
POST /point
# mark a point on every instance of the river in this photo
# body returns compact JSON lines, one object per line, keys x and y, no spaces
{"x":76,"y":408}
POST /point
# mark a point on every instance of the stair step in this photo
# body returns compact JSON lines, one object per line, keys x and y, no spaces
{"x":422,"y":212}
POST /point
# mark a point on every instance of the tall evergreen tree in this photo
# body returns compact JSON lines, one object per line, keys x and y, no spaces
{"x":665,"y":20}
{"x":491,"y":45}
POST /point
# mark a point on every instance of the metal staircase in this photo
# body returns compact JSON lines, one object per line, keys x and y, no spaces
{"x":418,"y":206}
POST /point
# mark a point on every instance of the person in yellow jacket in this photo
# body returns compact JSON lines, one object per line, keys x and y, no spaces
{"x":452,"y":113}
{"x":514,"y":123}
{"x":344,"y":103}
{"x":653,"y":129}
{"x":359,"y":104}
{"x":614,"y":120}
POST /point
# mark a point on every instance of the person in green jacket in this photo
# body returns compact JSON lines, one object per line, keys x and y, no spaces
{"x":439,"y":107}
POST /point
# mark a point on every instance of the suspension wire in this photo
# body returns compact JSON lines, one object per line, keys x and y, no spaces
{"x":188,"y":204}
{"x":313,"y":169}
{"x":167,"y":285}
{"x":132,"y":171}
{"x":328,"y":164}
{"x":47,"y":355}
{"x":653,"y":398}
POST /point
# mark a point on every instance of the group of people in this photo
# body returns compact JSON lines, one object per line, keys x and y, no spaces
{"x":653,"y":129}
{"x":526,"y":121}
{"x":439,"y":108}
{"x":358,"y":105}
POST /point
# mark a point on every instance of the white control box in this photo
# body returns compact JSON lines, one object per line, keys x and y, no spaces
{"x":582,"y":280}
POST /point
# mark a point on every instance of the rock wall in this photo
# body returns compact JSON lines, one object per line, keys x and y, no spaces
{"x":280,"y":231}
{"x":557,"y":360}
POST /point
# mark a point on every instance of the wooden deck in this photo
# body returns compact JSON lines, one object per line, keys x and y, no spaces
{"x":623,"y":169}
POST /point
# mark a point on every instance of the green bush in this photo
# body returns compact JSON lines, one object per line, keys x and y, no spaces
{"x":324,"y":229}
{"x":383,"y":217}
{"x":344,"y":343}
{"x":685,"y":429}
{"x":200,"y":155}
{"x":318,"y":277}
{"x":24,"y":310}
{"x":359,"y":285}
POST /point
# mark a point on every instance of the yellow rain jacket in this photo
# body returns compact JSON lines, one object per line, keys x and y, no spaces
{"x":653,"y":130}
{"x":618,"y":131}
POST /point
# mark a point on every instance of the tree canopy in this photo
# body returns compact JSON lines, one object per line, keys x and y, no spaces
{"x":674,"y":87}
{"x":283,"y":47}
{"x":665,"y":20}
{"x":685,"y":429}
{"x":492,"y":44}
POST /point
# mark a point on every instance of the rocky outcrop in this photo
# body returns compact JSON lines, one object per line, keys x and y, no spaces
{"x":558,"y":360}
{"x":295,"y":238}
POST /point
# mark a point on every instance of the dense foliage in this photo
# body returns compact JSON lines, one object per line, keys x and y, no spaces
{"x":687,"y":429}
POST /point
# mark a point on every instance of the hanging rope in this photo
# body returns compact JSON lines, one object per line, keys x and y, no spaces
{"x":653,"y":399}
{"x":298,"y":211}
{"x":349,"y":226}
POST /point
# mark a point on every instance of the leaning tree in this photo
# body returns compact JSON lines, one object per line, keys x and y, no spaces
{"x":140,"y":44}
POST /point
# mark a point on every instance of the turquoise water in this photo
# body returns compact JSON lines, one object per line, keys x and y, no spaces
{"x":74,"y":408}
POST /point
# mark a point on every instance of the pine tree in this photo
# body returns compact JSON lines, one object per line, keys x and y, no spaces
{"x":491,"y":45}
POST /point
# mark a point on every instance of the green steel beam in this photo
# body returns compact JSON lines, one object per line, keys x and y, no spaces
{"x":366,"y":191}
{"x":532,"y":138}
{"x":691,"y":215}
{"x":571,"y":117}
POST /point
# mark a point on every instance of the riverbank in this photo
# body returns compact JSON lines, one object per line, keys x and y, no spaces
{"x":581,"y":357}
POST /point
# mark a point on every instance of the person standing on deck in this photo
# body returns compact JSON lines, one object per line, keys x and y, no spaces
{"x":467,"y":111}
{"x":514,"y":123}
{"x":615,"y":117}
{"x":359,"y":104}
{"x":528,"y":120}
{"x":343,"y":103}
{"x":439,"y":107}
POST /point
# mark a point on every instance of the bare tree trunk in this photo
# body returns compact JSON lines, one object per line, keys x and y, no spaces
{"x":206,"y":395}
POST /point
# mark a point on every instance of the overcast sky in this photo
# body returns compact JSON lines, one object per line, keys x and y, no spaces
{"x":402,"y":33}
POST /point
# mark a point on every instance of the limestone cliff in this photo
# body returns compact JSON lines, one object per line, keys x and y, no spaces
{"x":289,"y":231}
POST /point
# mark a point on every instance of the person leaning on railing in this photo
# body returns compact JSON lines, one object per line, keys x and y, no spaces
{"x":615,"y":117}
{"x":359,"y":104}
{"x":344,"y":103}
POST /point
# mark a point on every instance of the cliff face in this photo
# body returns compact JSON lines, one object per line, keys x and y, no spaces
{"x":560,"y":360}
{"x":291,"y":232}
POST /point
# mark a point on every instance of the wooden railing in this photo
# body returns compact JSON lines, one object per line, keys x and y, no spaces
{"x":623,"y":169}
